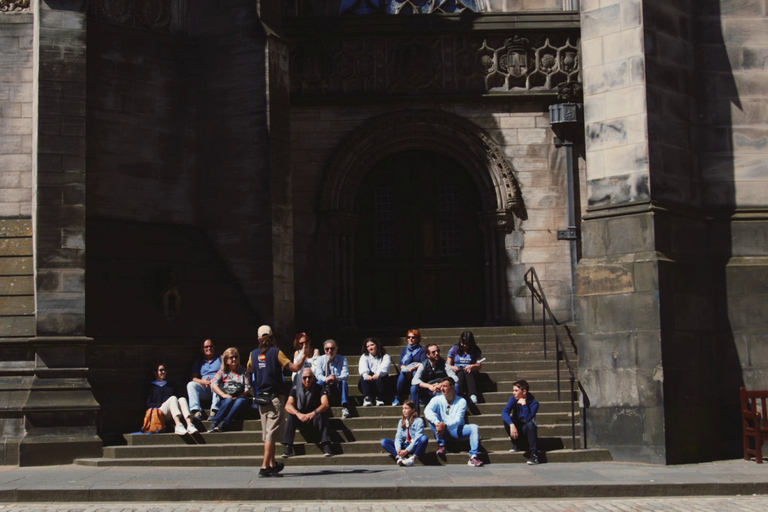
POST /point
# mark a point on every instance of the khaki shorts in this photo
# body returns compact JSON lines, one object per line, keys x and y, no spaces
{"x":273,"y":420}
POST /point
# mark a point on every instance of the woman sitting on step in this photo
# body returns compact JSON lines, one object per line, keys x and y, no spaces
{"x":231,"y":383}
{"x":304,"y":355}
{"x":161,"y":396}
{"x":374,"y":372}
{"x":465,"y":359}
{"x":410,"y":441}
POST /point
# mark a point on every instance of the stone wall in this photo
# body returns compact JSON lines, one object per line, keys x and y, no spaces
{"x":235,"y":189}
{"x":141,"y":122}
{"x":524,"y":135}
{"x":733,"y":142}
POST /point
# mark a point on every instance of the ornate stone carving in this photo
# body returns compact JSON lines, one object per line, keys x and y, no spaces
{"x":441,"y":64}
{"x":14,"y":5}
{"x":410,"y":6}
{"x":152,"y":14}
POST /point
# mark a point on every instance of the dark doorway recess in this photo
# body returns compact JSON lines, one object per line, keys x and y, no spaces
{"x":418,"y":245}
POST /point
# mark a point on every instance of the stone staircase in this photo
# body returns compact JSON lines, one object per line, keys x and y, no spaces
{"x":512,"y":353}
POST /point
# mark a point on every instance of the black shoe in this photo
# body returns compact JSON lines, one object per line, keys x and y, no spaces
{"x":213,"y":428}
{"x":288,"y":451}
{"x":198,"y":415}
{"x":533,"y":460}
{"x":268,"y":473}
{"x":327,"y":451}
{"x":278,"y":467}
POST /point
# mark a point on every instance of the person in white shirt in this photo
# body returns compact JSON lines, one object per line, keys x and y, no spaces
{"x":374,"y":372}
{"x":445,"y":414}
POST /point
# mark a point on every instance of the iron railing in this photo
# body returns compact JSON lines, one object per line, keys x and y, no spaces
{"x":537,"y":295}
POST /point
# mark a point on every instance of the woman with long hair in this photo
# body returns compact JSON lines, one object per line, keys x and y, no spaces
{"x":374,"y":372}
{"x":304,"y":354}
{"x":231,"y":383}
{"x":161,"y":396}
{"x":410,"y":441}
{"x":464,"y":358}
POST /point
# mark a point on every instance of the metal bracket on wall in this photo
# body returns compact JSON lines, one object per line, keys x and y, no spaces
{"x":567,"y":234}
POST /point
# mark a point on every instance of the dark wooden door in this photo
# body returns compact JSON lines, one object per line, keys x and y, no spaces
{"x":419,"y":250}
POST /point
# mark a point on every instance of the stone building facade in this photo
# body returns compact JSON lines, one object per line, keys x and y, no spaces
{"x":179,"y":169}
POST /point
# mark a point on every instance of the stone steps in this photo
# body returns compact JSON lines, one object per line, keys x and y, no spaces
{"x":513,"y":353}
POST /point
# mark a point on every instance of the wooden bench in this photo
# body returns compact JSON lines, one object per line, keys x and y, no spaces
{"x":754,"y":416}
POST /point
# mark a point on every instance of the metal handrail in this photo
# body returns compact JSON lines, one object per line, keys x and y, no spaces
{"x":537,"y":294}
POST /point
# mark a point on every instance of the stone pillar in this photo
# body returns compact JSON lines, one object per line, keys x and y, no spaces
{"x":644,"y":283}
{"x":342,"y":227}
{"x":502,"y":271}
{"x":60,"y":411}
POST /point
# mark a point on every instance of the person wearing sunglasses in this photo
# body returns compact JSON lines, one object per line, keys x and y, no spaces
{"x":231,"y":383}
{"x":426,"y":380}
{"x":203,"y":372}
{"x":307,"y":408}
{"x":411,"y":356}
{"x":332,"y":369}
{"x":304,"y":354}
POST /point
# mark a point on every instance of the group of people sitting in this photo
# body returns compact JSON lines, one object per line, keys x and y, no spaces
{"x":318,"y":378}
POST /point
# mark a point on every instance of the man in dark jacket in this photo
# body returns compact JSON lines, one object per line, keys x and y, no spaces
{"x":307,"y":409}
{"x":426,"y":380}
{"x":520,"y":419}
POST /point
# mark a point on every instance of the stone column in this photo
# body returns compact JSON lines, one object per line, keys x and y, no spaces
{"x":645,"y":320}
{"x":342,"y":227}
{"x":60,"y":411}
{"x":499,"y":261}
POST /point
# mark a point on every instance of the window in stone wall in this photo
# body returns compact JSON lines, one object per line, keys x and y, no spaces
{"x":450,"y":233}
{"x":385,"y":217}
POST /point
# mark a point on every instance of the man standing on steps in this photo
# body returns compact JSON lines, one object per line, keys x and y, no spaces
{"x":445,"y":414}
{"x":520,"y":419}
{"x":307,"y":409}
{"x":426,"y":380}
{"x":203,"y":372}
{"x":266,"y":364}
{"x":332,"y":370}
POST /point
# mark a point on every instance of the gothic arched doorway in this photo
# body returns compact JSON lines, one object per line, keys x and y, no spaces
{"x":418,"y":245}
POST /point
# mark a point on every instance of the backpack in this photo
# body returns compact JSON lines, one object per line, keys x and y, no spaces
{"x":154,"y":421}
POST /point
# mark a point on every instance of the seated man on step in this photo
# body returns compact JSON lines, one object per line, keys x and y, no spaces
{"x":426,"y":380}
{"x":332,"y":370}
{"x":203,"y":373}
{"x":520,"y":419}
{"x":445,"y":414}
{"x":307,"y":409}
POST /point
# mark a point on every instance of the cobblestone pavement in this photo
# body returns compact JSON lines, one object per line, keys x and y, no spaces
{"x":675,"y":504}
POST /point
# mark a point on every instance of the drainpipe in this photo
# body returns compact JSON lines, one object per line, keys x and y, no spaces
{"x":566,"y":120}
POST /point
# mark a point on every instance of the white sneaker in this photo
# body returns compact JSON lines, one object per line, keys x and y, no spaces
{"x":367,"y":402}
{"x":408,"y":461}
{"x":379,"y":403}
{"x":400,"y":461}
{"x":345,"y":413}
{"x":181,"y":430}
{"x":191,"y":429}
{"x":473,"y":398}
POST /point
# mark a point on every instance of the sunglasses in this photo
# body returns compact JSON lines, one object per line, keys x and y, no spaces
{"x":330,"y":349}
{"x":307,"y":378}
{"x":434,"y":351}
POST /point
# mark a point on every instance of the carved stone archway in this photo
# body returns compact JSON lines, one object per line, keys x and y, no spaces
{"x":440,"y":132}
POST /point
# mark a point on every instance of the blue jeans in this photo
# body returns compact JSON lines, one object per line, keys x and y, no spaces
{"x":419,"y":449}
{"x":197,"y":391}
{"x":229,"y":410}
{"x":340,"y":386}
{"x":404,"y":383}
{"x":465,"y":431}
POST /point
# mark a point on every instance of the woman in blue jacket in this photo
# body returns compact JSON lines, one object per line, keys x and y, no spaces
{"x":410,"y":441}
{"x":410,"y":357}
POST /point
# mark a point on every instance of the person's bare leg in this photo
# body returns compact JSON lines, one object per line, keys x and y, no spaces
{"x":269,"y":455}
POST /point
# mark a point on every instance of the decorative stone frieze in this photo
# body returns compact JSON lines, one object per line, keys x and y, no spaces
{"x":14,"y":5}
{"x":434,"y":64}
{"x":155,"y":15}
